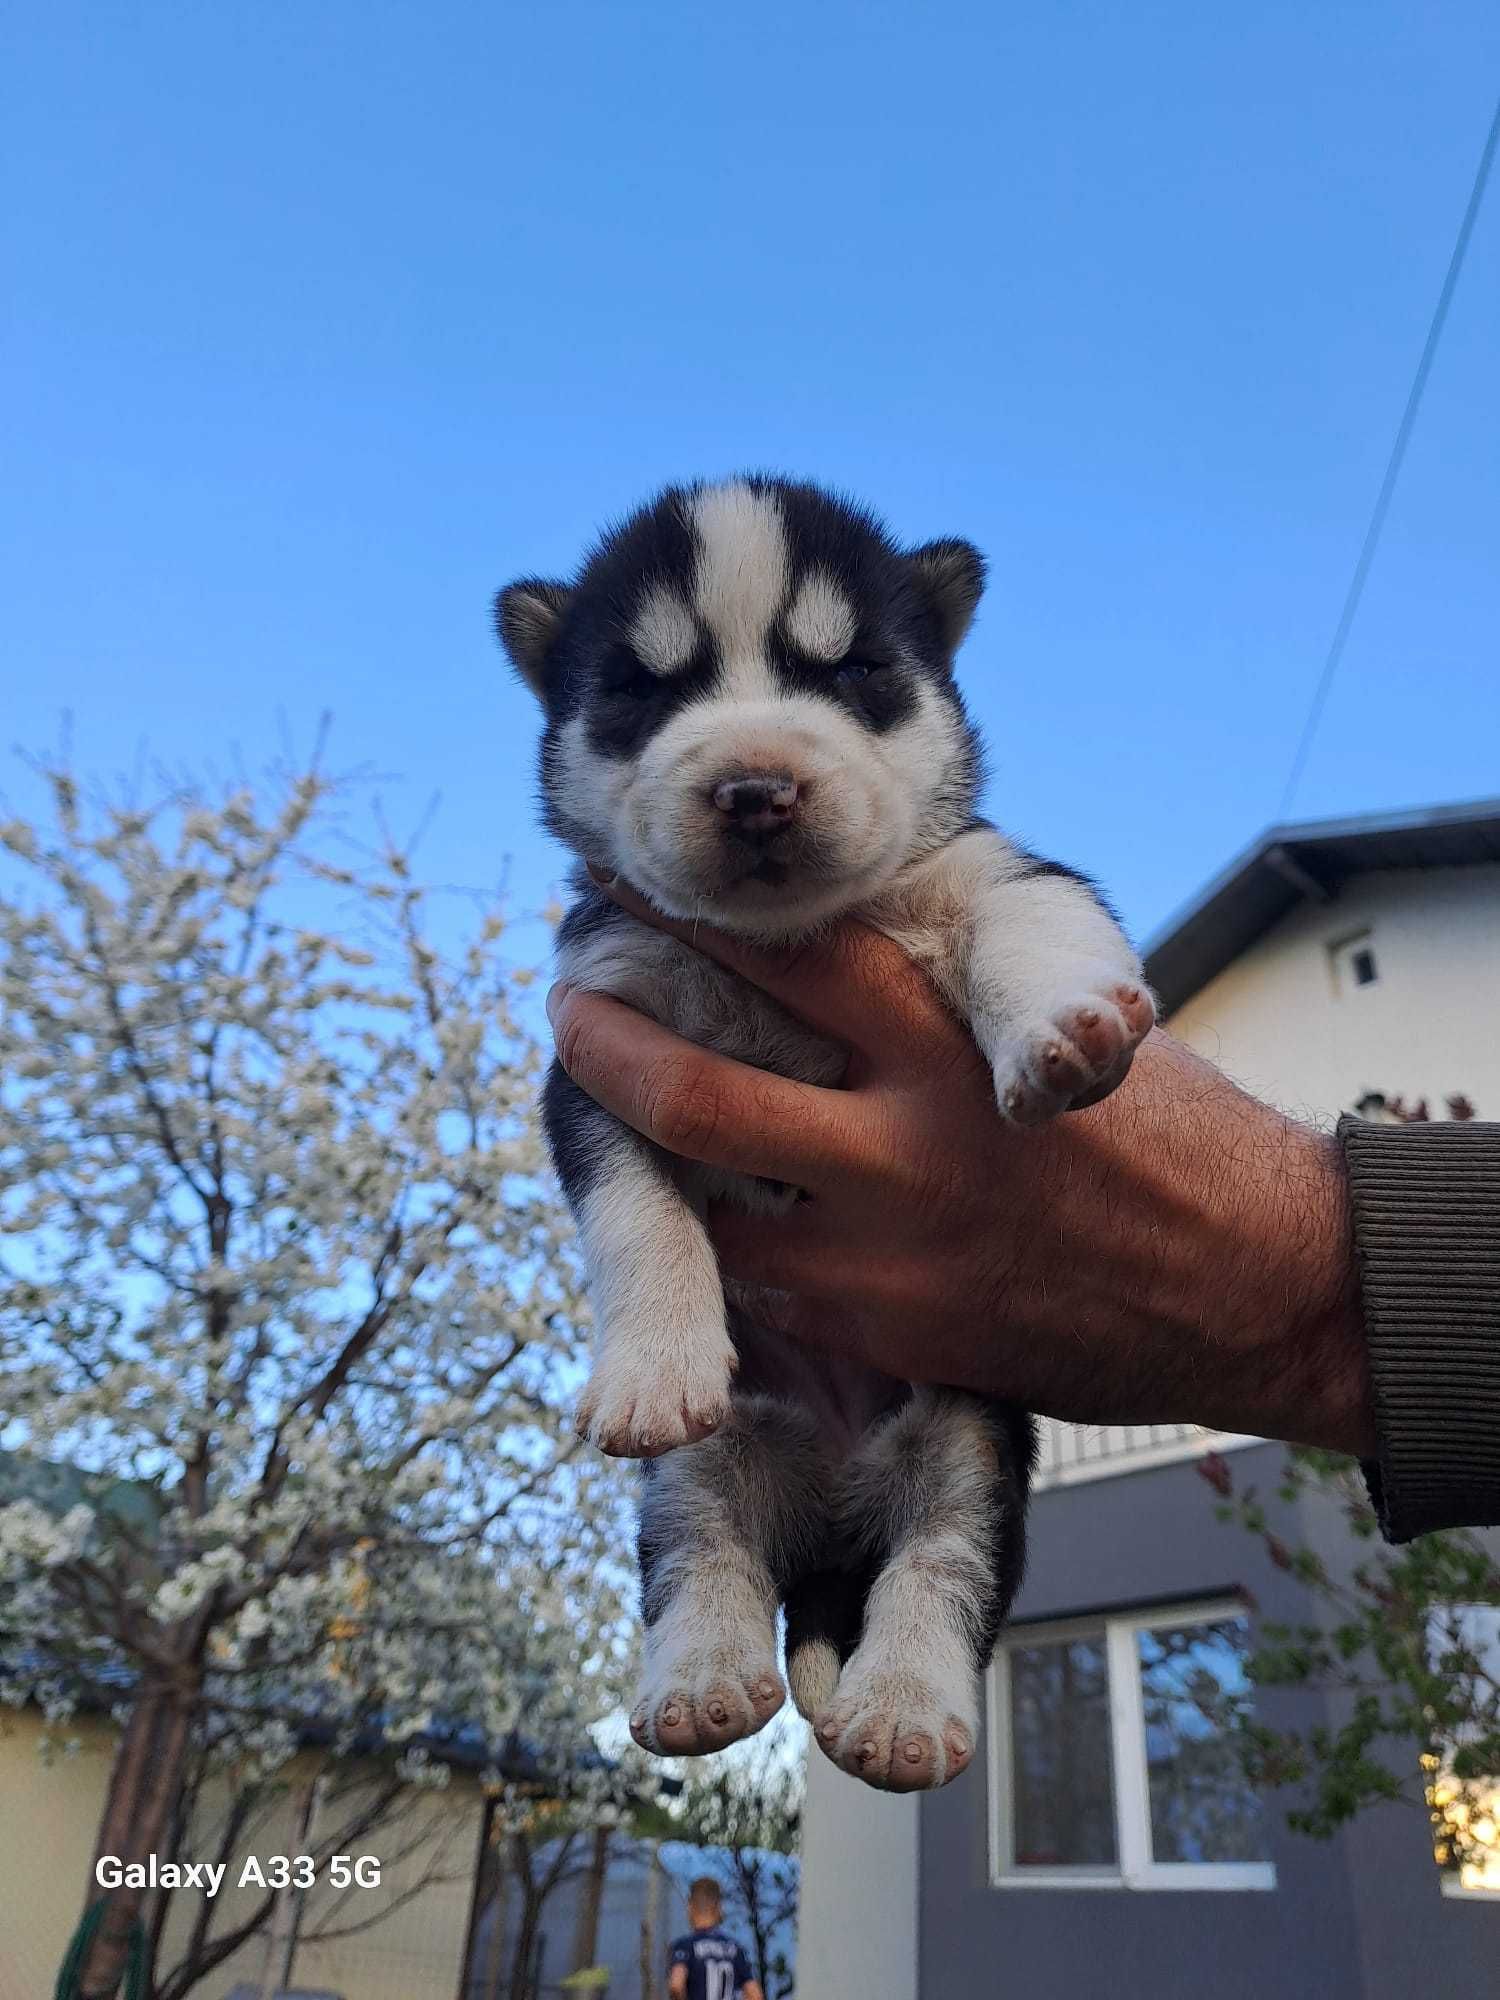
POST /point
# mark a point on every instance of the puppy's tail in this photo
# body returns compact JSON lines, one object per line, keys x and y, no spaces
{"x":825,"y":1613}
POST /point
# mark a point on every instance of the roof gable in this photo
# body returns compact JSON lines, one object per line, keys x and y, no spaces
{"x":1307,"y":861}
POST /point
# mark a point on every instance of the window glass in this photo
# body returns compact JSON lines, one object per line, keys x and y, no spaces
{"x":1202,"y":1808}
{"x":1064,"y":1803}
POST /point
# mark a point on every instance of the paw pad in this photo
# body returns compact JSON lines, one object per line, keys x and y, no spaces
{"x":689,"y":1707}
{"x":895,"y":1733}
{"x":1076,"y":1056}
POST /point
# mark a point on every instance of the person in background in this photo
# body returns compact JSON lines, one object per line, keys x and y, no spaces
{"x":707,"y":1964}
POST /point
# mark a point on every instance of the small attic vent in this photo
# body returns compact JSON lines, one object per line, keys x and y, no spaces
{"x":1352,"y":961}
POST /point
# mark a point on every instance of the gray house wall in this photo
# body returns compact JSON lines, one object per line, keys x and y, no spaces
{"x":1358,"y":1918}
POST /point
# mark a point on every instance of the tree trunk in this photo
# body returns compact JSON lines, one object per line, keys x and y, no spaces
{"x":526,"y":1937}
{"x":590,"y":1901}
{"x":495,"y":1957}
{"x":484,"y":1959}
{"x":149,"y":1770}
{"x":286,"y":1918}
{"x":749,"y":1872}
{"x":177,"y":1833}
{"x":528,"y":1918}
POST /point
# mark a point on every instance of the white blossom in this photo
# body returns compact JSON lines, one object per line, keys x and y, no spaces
{"x":31,"y":1537}
{"x":285,"y":1294}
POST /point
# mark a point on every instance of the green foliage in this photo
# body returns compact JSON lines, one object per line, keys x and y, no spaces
{"x":1407,"y":1647}
{"x":1400,"y":1644}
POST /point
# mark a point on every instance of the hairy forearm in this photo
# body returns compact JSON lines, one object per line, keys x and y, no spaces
{"x":1229,"y":1266}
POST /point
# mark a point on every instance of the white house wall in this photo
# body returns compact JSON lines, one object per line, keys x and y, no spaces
{"x":1279,"y":1022}
{"x":857,"y":1927}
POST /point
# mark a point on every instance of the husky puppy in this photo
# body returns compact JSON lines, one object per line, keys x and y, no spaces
{"x":751,"y":716}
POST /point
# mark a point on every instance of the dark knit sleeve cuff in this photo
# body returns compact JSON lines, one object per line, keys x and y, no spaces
{"x":1426,"y":1209}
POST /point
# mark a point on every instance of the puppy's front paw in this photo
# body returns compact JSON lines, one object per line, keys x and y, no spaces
{"x":690,"y":1707}
{"x":642,"y":1406}
{"x":1076,"y":1055}
{"x":897,"y":1731}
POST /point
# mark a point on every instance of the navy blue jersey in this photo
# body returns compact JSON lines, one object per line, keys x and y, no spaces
{"x":716,"y":1966}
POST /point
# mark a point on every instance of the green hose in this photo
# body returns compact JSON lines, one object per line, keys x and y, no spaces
{"x":68,"y":1978}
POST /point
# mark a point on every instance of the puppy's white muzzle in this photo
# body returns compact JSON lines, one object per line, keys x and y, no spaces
{"x":767,"y":815}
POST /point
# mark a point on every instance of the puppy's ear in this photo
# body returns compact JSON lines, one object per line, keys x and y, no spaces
{"x":528,"y":618}
{"x":950,"y":575}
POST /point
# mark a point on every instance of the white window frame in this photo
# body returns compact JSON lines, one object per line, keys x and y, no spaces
{"x":1134,"y":1866}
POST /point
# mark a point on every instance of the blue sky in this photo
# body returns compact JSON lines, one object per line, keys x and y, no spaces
{"x":327,"y":319}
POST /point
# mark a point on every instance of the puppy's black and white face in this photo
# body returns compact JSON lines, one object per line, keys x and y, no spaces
{"x":750,"y":706}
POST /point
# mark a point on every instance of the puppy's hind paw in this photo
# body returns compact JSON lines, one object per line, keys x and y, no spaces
{"x":695,"y":1707}
{"x":896,"y":1734}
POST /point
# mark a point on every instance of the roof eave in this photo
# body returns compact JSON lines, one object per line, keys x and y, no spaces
{"x":1290,"y":863}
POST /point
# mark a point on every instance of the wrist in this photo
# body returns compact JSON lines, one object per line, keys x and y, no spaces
{"x":1307,"y":1366}
{"x":1251,"y":1273}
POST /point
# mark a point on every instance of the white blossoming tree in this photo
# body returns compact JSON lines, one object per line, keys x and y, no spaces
{"x":287,"y":1323}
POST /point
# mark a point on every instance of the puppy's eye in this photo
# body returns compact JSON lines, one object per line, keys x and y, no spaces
{"x":626,"y":676}
{"x":853,"y":671}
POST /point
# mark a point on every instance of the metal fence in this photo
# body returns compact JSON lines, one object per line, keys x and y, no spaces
{"x":1070,"y":1452}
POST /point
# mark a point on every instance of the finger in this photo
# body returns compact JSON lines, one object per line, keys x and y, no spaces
{"x":849,"y":982}
{"x":794,"y":1251}
{"x":698,"y":1104}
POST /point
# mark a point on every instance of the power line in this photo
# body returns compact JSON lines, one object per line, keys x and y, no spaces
{"x":1392,"y":471}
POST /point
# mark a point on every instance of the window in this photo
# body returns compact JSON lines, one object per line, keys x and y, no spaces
{"x":1110,"y":1762}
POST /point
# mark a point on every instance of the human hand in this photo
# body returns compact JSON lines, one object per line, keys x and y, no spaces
{"x":1177,"y":1254}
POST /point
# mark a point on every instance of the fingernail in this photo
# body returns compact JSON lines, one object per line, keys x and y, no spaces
{"x":555,"y":997}
{"x":603,"y":876}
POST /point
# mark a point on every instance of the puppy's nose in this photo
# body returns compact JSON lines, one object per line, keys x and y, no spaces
{"x":758,"y":804}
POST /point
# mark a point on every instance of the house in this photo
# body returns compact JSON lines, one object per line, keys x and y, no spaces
{"x":420,"y":1922}
{"x":429,"y":1907}
{"x":50,"y":1808}
{"x":1331,"y":960}
{"x":402,"y":1925}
